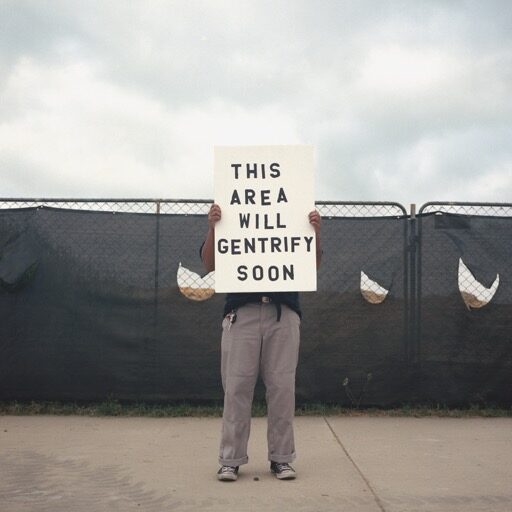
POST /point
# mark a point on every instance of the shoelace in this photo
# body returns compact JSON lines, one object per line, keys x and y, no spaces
{"x":228,"y":469}
{"x":283,"y":466}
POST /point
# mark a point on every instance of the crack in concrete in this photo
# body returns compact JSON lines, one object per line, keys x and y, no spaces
{"x":361,"y":474}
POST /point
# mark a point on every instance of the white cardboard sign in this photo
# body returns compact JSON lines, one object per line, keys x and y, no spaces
{"x":264,"y":241}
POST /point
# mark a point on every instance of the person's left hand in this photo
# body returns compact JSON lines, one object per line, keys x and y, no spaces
{"x":315,"y":220}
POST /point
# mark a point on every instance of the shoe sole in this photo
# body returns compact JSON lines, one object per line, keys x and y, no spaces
{"x":289,"y":476}
{"x":227,"y":478}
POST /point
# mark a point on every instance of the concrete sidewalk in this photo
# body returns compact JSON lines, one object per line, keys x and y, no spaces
{"x":363,"y":464}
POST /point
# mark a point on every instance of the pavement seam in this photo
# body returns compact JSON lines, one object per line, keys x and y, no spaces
{"x":361,"y":474}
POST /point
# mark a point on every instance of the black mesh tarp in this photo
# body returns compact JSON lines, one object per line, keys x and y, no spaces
{"x":102,"y":314}
{"x":344,"y":335}
{"x":90,"y":308}
{"x":465,"y":352}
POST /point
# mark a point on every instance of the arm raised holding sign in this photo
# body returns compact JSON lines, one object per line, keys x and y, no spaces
{"x":315,"y":220}
{"x":208,"y":249}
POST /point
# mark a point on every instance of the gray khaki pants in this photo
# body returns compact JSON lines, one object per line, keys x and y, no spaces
{"x":258,"y":343}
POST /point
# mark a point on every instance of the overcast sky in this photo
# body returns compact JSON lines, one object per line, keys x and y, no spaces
{"x":406,"y":101}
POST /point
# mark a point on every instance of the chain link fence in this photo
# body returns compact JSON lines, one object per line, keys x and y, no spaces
{"x":462,"y":300}
{"x":122,"y":293}
{"x":485,"y":209}
{"x":163,"y":206}
{"x":194,"y":285}
{"x":474,"y":292}
{"x":198,"y":207}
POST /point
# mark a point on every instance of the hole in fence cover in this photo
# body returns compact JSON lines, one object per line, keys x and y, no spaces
{"x":475,"y":294}
{"x":193,"y":286}
{"x":372,"y":291}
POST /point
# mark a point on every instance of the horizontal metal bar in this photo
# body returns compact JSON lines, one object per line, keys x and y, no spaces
{"x":97,"y":200}
{"x":462,"y":204}
{"x":367,"y":208}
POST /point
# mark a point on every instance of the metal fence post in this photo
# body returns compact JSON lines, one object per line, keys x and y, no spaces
{"x":157,"y":248}
{"x":412,"y":355}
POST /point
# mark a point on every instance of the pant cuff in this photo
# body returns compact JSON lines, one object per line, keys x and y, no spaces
{"x":233,"y":462}
{"x":282,"y":458}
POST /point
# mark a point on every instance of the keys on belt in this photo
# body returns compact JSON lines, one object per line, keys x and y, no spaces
{"x":232,"y":318}
{"x":265,"y":299}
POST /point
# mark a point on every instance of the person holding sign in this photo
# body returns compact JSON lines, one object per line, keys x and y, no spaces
{"x":260,"y":336}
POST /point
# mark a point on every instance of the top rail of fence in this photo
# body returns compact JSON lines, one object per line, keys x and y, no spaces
{"x":360,"y":209}
{"x":467,"y":208}
{"x":197,"y":206}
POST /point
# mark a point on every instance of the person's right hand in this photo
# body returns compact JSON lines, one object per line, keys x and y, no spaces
{"x":213,"y":215}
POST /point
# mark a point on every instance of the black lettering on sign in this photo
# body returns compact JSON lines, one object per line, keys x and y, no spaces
{"x":235,"y":199}
{"x":256,"y":170}
{"x":242,"y":273}
{"x":275,"y":244}
{"x":267,"y":224}
{"x":235,"y":246}
{"x":263,"y":241}
{"x":250,"y":245}
{"x":222,"y":246}
{"x":272,"y":273}
{"x":295,"y":241}
{"x":244,"y":219}
{"x":265,"y":198}
{"x":257,"y":272}
{"x":236,"y":167}
{"x":249,"y":196}
{"x":288,"y":272}
{"x":281,"y":196}
{"x":274,"y":170}
{"x":252,"y":170}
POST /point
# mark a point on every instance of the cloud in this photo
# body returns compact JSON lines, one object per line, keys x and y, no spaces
{"x":96,"y":137}
{"x":403,"y":101}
